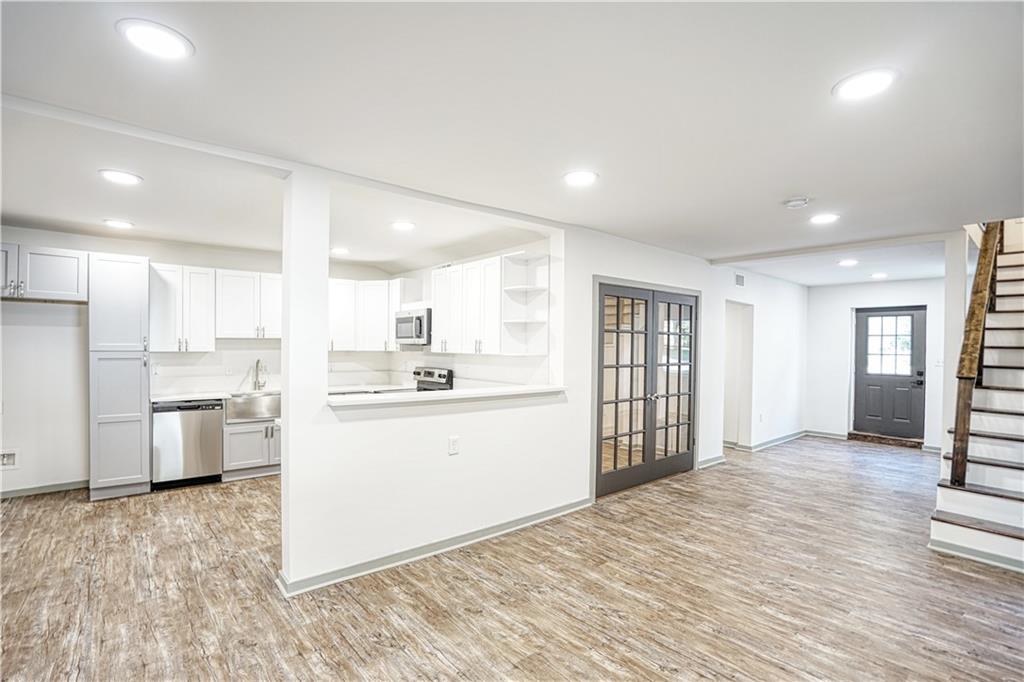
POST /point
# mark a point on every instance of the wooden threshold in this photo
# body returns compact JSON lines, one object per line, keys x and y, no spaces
{"x":915,"y":443}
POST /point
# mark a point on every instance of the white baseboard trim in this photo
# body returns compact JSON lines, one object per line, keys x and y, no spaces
{"x":41,"y":489}
{"x":256,"y":472}
{"x":713,"y":461}
{"x":295,"y":587}
{"x":778,"y":441}
{"x":943,"y":547}
{"x":113,"y":491}
{"x":827,"y":434}
{"x":933,"y":449}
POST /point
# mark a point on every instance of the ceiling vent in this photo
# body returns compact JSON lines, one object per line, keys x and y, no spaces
{"x":740,"y":280}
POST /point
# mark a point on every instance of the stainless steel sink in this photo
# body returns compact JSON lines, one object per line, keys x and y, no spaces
{"x":255,"y":406}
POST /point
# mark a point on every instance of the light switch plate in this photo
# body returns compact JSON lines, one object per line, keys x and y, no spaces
{"x":453,"y":445}
{"x":9,"y":459}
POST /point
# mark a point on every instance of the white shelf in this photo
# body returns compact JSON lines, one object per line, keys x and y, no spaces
{"x":525,"y":288}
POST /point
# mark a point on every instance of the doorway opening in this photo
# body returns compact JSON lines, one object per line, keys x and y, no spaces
{"x":739,"y":367}
{"x":889,"y":373}
{"x":646,"y":393}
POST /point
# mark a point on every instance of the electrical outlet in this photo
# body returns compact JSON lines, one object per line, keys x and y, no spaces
{"x":8,"y":459}
{"x":453,"y":445}
{"x":760,"y":418}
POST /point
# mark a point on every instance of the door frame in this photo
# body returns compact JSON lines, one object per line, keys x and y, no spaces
{"x":852,"y":392}
{"x":596,"y":345}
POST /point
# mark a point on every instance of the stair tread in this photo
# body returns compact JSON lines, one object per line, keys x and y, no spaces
{"x":1004,"y":347}
{"x":1004,"y":366}
{"x":988,"y":461}
{"x":978,"y":524}
{"x":1000,"y":388}
{"x":998,"y":410}
{"x":984,"y":490}
{"x":994,"y":435}
{"x":1015,"y":279}
{"x":1007,"y":296}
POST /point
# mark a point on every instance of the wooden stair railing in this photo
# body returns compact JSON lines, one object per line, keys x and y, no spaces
{"x":970,"y":363}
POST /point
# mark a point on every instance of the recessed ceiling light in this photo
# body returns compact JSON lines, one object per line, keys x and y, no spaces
{"x":863,"y":85}
{"x":580,"y":178}
{"x":879,"y":275}
{"x":118,"y":224}
{"x":120,"y":177}
{"x":824,"y":218}
{"x":155,"y":39}
{"x":403,"y":225}
{"x":796,"y":202}
{"x":339,"y":251}
{"x":848,"y":262}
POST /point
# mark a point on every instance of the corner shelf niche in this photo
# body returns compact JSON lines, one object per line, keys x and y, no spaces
{"x":524,"y":303}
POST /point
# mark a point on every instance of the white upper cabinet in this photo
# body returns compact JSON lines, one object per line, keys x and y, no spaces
{"x":401,"y":292}
{"x":481,"y":305}
{"x":9,"y":268}
{"x":341,"y":314}
{"x":238,"y":304}
{"x":165,"y":306}
{"x":372,"y":315}
{"x":181,"y":308}
{"x":119,"y":302}
{"x":40,"y":272}
{"x":490,"y":306}
{"x":270,"y":305}
{"x":446,"y":309}
{"x":198,"y":317}
{"x":248,"y":305}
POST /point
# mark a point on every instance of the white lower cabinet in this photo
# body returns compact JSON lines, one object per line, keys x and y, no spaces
{"x":250,"y":445}
{"x":118,"y":420}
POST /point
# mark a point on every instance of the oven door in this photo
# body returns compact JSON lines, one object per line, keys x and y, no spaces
{"x":413,"y":328}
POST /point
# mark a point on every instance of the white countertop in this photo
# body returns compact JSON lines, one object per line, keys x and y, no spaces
{"x":509,"y":391}
{"x":369,"y":389}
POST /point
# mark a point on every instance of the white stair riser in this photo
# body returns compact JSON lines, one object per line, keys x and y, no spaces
{"x":991,"y":448}
{"x":1012,"y":378}
{"x":1010,"y":273}
{"x":1006,"y":337}
{"x":1004,"y":356}
{"x":1010,"y":424}
{"x":994,"y":477}
{"x":999,"y":400}
{"x":980,"y":541}
{"x":1010,"y":287}
{"x":1009,"y":304}
{"x":1004,"y":320}
{"x":984,"y":507}
{"x":1010,"y":259}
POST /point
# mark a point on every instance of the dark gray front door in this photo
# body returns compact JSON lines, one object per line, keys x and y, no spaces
{"x":889,"y":370}
{"x":646,"y":391}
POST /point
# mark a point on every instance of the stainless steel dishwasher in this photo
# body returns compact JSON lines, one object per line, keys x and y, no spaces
{"x":188,"y":439}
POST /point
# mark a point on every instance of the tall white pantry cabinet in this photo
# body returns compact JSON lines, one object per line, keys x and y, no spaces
{"x":119,"y":404}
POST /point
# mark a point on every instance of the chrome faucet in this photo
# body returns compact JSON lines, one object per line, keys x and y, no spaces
{"x":259,"y":381}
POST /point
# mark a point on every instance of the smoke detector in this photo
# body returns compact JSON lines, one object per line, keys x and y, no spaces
{"x":796,"y":202}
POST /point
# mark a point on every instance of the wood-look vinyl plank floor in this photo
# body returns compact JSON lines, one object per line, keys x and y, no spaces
{"x":805,"y":561}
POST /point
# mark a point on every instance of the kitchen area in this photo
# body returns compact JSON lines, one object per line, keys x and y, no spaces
{"x":161,"y":345}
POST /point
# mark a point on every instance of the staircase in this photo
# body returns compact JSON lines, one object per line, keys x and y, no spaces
{"x":979,"y":510}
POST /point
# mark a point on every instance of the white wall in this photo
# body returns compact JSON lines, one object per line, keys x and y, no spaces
{"x":739,"y":373}
{"x":830,"y":334}
{"x":45,"y":367}
{"x":373,"y":482}
{"x":778,"y":352}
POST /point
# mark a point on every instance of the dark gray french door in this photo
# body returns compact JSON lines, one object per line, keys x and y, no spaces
{"x":645,"y":392}
{"x":888,"y":393}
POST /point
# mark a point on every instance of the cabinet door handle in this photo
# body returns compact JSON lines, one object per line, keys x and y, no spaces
{"x":21,"y":289}
{"x":9,"y":289}
{"x":145,"y":343}
{"x":179,"y":345}
{"x":186,"y":345}
{"x":145,"y":361}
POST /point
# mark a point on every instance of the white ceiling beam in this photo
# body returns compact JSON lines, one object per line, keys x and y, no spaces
{"x":845,"y":246}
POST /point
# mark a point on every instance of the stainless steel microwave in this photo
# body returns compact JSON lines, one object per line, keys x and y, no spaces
{"x":412,"y":327}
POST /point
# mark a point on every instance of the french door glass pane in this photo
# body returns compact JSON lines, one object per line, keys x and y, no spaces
{"x":609,"y":349}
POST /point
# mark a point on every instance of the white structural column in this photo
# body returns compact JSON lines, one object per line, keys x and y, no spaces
{"x":958,"y":280}
{"x":304,"y":262}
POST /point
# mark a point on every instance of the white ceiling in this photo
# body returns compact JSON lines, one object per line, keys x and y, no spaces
{"x":50,"y":180}
{"x":700,"y":118}
{"x":908,"y":261}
